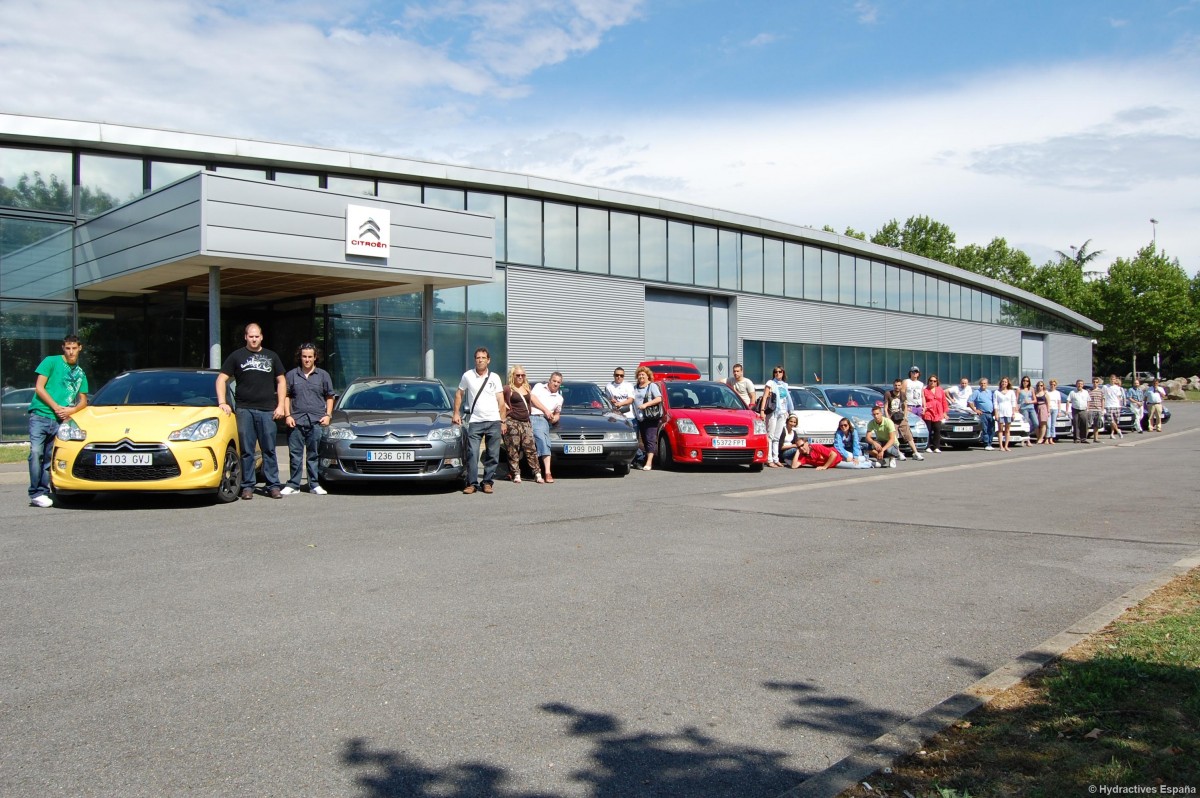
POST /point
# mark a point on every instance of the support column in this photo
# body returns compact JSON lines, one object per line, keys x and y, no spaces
{"x":214,"y":317}
{"x":427,"y":332}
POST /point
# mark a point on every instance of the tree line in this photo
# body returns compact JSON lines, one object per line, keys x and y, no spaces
{"x":1147,"y":303}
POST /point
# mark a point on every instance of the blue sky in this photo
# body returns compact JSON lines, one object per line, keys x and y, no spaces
{"x":1046,"y":123}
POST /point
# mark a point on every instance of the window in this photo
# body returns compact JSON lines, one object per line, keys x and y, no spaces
{"x":492,"y":205}
{"x":298,"y":179}
{"x":350,"y":185}
{"x":893,"y":287}
{"x":106,"y":181}
{"x":752,"y":263}
{"x":773,"y":267}
{"x":706,"y":255}
{"x":560,"y":236}
{"x":680,"y":255}
{"x":400,"y":192}
{"x":729,"y":265}
{"x":624,"y":243}
{"x":812,"y":273}
{"x":593,"y":240}
{"x":829,"y":276}
{"x":37,"y":180}
{"x":846,"y":284}
{"x":451,"y":199}
{"x":653,"y":248}
{"x":919,"y":292}
{"x":164,"y":172}
{"x":862,"y":290}
{"x":906,"y":291}
{"x":793,"y":270}
{"x":524,"y":231}
{"x":401,"y":306}
{"x":35,"y":260}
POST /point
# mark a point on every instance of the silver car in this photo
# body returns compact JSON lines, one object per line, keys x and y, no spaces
{"x":392,"y":428}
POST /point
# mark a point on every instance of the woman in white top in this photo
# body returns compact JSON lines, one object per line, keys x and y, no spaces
{"x":1005,"y":400}
{"x":1054,"y":402}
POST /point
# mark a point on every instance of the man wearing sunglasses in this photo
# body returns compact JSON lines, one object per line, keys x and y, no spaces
{"x":620,"y":393}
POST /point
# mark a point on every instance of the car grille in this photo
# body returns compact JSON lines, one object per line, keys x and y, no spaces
{"x":163,"y":466}
{"x":723,"y":430}
{"x":727,"y":455}
{"x":395,"y":469}
{"x":581,"y":436}
{"x":390,"y":447}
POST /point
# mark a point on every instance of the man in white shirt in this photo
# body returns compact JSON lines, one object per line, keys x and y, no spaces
{"x":547,"y":404}
{"x":742,"y":386}
{"x":620,"y":393}
{"x":1078,"y":402}
{"x":1114,"y":398}
{"x":960,"y":395}
{"x":914,"y":392}
{"x":484,"y":394}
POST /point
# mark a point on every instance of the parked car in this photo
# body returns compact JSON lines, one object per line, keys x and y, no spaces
{"x":590,"y":432}
{"x":150,"y":430}
{"x":815,"y":419}
{"x":672,"y":369}
{"x":706,"y":422}
{"x":392,"y":428}
{"x":855,"y":403}
{"x":14,"y":413}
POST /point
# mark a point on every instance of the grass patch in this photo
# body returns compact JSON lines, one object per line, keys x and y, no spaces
{"x":14,"y":452}
{"x":1120,"y":709}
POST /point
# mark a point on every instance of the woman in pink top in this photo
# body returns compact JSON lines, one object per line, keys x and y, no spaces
{"x":934,"y":413}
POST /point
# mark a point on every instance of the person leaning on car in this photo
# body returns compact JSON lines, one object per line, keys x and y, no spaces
{"x":60,"y":392}
{"x":620,"y":393}
{"x":983,"y":404}
{"x":261,"y":396}
{"x":742,"y":386}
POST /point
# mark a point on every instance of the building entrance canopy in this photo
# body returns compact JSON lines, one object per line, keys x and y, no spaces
{"x":271,"y":242}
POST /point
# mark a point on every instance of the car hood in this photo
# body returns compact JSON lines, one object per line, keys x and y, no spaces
{"x":399,"y":424}
{"x":139,"y":422}
{"x":591,"y":421}
{"x":816,"y":422}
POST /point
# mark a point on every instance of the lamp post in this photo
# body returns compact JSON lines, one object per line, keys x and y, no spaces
{"x":1154,"y":232}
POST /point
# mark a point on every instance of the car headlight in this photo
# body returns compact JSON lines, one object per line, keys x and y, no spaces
{"x":686,"y":426}
{"x":335,"y":433}
{"x":760,"y":427}
{"x":555,"y":437}
{"x":200,"y":431}
{"x":622,"y":435}
{"x":920,"y":428}
{"x":70,"y":431}
{"x":451,"y":433}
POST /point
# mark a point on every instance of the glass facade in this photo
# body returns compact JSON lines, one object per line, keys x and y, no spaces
{"x":44,"y":191}
{"x":832,"y":364}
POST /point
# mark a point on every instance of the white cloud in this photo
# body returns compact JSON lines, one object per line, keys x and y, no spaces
{"x":868,"y":13}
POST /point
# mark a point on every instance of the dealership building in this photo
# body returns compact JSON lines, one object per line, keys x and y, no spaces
{"x":159,"y":246}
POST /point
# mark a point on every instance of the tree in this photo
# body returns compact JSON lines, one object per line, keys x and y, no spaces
{"x":997,"y":260}
{"x":1081,"y":257}
{"x":920,"y":235}
{"x":1146,"y":306}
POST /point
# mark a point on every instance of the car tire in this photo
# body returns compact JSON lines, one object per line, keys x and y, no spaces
{"x":665,"y":458}
{"x":621,"y":469}
{"x":231,"y":476}
{"x":756,"y":468}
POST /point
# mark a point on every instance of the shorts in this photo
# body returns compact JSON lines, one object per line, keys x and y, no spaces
{"x":541,"y":434}
{"x":1004,"y":419}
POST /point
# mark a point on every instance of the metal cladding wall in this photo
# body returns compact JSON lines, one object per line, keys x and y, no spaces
{"x":579,"y":324}
{"x":1068,"y":358}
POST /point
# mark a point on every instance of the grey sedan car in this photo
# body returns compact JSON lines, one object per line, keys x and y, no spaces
{"x":392,"y":428}
{"x":590,"y":433}
{"x":14,"y":423}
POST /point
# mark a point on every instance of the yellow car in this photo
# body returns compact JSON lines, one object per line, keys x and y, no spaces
{"x":150,"y":430}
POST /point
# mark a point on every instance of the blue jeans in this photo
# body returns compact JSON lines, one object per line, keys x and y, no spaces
{"x":41,"y":448}
{"x":1052,"y":426}
{"x":541,"y":434}
{"x":488,"y":434}
{"x":1031,"y":418}
{"x":988,"y":422}
{"x":301,"y":438}
{"x":257,"y":427}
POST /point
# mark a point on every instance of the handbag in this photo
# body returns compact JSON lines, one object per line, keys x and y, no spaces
{"x":653,"y":412}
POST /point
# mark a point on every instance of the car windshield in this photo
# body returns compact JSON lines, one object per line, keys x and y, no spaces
{"x":805,"y":399}
{"x":853,"y":397}
{"x":687,"y":395}
{"x":583,"y":396}
{"x":21,"y":396}
{"x":193,"y":388}
{"x":394,"y":395}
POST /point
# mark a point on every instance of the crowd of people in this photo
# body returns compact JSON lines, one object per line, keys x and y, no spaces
{"x":512,"y":413}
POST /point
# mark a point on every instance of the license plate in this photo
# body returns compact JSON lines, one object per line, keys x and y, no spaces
{"x":583,"y":448}
{"x":391,"y":456}
{"x":124,"y":459}
{"x":962,"y":429}
{"x":729,"y":443}
{"x":822,"y":439}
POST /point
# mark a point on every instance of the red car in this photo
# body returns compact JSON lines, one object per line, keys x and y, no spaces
{"x":671,"y":369}
{"x":706,"y":422}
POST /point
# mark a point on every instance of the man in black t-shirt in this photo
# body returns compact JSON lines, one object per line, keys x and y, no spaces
{"x":259,"y":390}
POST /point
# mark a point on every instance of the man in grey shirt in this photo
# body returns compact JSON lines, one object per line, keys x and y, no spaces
{"x":309,"y":407}
{"x":742,"y":386}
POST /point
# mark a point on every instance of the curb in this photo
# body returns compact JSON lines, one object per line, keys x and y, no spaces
{"x":909,"y":737}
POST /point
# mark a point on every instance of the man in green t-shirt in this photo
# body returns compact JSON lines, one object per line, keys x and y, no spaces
{"x":881,"y":438}
{"x":59,"y":393}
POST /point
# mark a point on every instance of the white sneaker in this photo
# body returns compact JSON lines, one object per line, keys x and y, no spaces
{"x":892,"y":462}
{"x":918,"y":456}
{"x":902,"y":457}
{"x":41,"y":501}
{"x":938,"y":451}
{"x":988,"y":448}
{"x":288,"y":490}
{"x":317,"y":490}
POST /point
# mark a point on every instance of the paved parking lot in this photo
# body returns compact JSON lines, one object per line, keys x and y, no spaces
{"x":666,"y":634}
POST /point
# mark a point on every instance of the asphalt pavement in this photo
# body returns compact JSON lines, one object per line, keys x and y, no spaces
{"x":696,"y":633}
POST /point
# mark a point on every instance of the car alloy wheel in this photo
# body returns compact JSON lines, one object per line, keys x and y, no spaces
{"x":231,"y":476}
